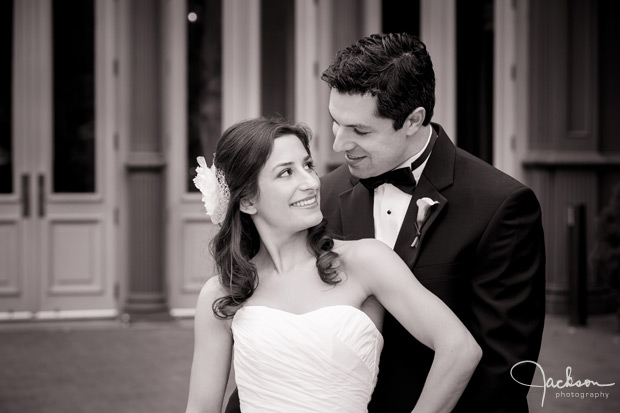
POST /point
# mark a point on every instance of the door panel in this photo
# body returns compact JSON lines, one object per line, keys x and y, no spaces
{"x":198,"y":265}
{"x":63,"y":263}
{"x":9,"y":263}
{"x":17,"y":294}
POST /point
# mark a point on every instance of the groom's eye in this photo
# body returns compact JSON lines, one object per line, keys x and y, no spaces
{"x":360,"y":130}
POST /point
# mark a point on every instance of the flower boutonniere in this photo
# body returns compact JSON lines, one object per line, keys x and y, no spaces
{"x":424,"y":207}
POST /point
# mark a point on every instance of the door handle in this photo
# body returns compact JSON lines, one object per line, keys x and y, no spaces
{"x":26,"y":195}
{"x":41,"y":195}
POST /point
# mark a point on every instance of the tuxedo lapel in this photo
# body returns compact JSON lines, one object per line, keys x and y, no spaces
{"x":437,"y":175}
{"x":407,"y":234}
{"x":356,"y":213}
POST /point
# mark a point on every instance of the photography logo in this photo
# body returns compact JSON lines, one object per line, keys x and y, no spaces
{"x":564,"y":388}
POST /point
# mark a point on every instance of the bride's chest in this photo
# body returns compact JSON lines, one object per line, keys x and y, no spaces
{"x":300,"y":295}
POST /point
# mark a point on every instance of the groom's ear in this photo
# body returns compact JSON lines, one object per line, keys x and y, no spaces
{"x":247,"y":206}
{"x":415,"y":120}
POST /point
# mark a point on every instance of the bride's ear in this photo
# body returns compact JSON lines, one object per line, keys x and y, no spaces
{"x":247,"y":206}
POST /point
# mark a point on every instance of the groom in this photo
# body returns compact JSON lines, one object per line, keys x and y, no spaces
{"x":479,"y":247}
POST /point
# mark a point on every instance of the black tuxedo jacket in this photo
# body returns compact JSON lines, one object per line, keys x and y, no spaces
{"x":481,"y":251}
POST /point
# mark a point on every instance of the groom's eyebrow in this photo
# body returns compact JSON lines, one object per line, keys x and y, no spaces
{"x":357,"y":125}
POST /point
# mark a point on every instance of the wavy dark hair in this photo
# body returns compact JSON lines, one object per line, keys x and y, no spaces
{"x":394,"y":67}
{"x":241,"y":154}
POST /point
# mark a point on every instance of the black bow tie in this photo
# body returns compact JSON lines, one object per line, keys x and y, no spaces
{"x":402,"y":178}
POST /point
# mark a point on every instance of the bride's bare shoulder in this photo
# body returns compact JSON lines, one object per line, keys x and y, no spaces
{"x":362,"y":252}
{"x":212,"y":287}
{"x":211,"y":290}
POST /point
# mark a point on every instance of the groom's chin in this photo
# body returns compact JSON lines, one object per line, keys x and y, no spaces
{"x":356,"y":172}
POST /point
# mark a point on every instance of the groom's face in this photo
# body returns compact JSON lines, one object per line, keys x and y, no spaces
{"x":369,"y":143}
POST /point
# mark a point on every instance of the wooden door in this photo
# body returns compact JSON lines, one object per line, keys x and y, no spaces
{"x":57,"y":223}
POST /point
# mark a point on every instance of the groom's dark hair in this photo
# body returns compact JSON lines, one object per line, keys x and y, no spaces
{"x":394,"y":67}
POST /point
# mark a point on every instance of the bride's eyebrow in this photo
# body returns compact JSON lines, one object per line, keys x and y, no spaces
{"x":280,"y":165}
{"x":289,"y":163}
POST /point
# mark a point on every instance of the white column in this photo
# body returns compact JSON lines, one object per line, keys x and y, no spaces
{"x":306,"y":65}
{"x":522,"y":85}
{"x":372,"y":16}
{"x":438,"y":32}
{"x":506,"y":72}
{"x":323,"y":135}
{"x":241,"y":61}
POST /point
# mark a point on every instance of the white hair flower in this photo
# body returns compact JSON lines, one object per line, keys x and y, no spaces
{"x":215,"y":192}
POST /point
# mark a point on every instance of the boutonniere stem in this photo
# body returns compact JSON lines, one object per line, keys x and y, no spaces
{"x":424,"y":207}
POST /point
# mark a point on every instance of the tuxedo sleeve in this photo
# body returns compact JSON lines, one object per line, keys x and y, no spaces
{"x":233,"y":403}
{"x":508,"y":303}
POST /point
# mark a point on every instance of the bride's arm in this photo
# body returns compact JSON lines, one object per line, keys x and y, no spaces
{"x":212,"y":354}
{"x":425,"y":316}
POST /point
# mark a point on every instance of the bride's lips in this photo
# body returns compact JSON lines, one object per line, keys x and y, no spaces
{"x":306,"y":202}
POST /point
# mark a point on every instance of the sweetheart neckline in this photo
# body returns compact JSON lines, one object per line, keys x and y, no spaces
{"x":315,"y":311}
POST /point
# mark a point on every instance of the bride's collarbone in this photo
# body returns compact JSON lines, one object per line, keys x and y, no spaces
{"x":301,"y":294}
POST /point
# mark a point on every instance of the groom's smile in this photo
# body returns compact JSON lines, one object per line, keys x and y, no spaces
{"x":353,"y":158}
{"x":370,"y":144}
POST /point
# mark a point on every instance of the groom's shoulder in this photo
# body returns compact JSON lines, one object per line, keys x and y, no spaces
{"x":336,"y":182}
{"x":487,"y":178}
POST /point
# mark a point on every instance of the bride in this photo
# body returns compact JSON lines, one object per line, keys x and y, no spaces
{"x":299,"y":310}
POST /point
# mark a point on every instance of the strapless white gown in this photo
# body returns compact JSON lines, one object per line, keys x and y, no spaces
{"x":326,"y":360}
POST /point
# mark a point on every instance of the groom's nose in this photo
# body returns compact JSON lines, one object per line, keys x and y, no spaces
{"x":342,"y":139}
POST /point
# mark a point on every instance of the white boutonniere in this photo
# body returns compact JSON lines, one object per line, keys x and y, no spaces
{"x":424,"y":207}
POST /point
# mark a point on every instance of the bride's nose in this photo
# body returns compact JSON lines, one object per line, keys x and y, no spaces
{"x":310,"y":180}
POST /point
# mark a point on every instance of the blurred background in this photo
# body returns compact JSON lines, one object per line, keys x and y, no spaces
{"x":105,"y":105}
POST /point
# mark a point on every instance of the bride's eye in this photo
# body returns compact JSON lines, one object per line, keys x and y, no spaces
{"x":284,"y":172}
{"x":310,"y":165}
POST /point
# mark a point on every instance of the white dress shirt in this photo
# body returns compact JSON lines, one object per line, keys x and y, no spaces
{"x":391,"y":204}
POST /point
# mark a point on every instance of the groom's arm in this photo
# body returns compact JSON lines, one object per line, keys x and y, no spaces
{"x":508,"y":303}
{"x":232,"y":393}
{"x":233,"y":403}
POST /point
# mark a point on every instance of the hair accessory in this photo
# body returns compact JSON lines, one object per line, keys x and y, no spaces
{"x":215,"y":192}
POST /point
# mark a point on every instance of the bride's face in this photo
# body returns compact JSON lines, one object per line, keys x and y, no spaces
{"x":288,"y":188}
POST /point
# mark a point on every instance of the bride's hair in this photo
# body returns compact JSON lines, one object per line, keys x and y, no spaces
{"x":241,"y":154}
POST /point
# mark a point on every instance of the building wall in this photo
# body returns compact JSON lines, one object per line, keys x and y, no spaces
{"x":570,"y":160}
{"x":556,"y":95}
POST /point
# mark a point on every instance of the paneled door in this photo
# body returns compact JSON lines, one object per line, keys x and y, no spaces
{"x":57,"y":190}
{"x":212,"y":80}
{"x":192,"y":119}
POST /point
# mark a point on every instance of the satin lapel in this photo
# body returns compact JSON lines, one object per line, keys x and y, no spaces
{"x":407,"y":234}
{"x":356,"y":213}
{"x":438,"y":174}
